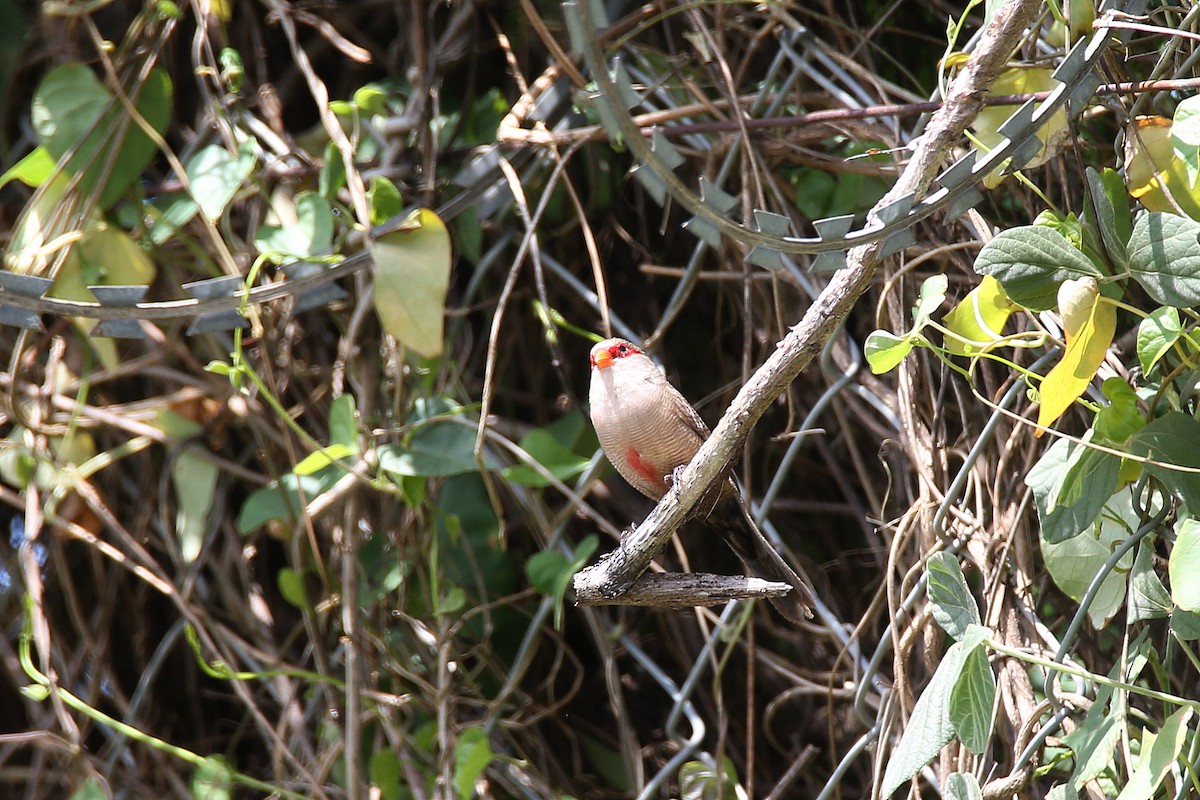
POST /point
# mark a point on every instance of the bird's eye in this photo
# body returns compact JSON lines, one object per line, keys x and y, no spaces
{"x":622,"y":349}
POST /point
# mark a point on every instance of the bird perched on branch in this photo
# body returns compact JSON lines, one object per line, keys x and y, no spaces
{"x":648,"y":429}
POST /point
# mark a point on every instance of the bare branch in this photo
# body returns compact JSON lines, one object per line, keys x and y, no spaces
{"x":804,"y":342}
{"x":677,"y":590}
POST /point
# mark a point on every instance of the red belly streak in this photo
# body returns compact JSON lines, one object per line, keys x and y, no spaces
{"x":642,"y":468}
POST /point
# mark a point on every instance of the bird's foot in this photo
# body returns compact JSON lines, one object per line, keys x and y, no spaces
{"x":675,"y":477}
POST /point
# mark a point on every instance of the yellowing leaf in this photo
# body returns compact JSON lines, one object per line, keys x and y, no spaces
{"x":412,"y":276}
{"x":103,"y":256}
{"x":979,"y":318}
{"x":38,"y":236}
{"x":1154,"y":174}
{"x":1084,"y":355}
{"x":1013,"y":81}
{"x":1076,"y":299}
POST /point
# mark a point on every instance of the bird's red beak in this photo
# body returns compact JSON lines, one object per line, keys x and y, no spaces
{"x":602,"y":360}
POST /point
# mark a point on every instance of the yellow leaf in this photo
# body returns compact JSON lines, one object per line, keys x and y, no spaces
{"x":1154,"y":174}
{"x":979,"y":318}
{"x":1076,"y":299}
{"x":955,"y":61}
{"x":104,"y":256}
{"x":412,"y":276}
{"x":1085,"y":353}
{"x":1014,"y":81}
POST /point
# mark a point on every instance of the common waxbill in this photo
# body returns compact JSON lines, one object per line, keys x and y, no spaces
{"x":648,"y":429}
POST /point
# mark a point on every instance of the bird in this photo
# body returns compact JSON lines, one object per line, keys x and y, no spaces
{"x":647,"y":429}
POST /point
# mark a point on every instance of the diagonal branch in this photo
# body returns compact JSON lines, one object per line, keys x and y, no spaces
{"x":616,"y":573}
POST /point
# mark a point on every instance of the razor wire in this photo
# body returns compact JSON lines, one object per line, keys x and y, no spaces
{"x":214,"y":304}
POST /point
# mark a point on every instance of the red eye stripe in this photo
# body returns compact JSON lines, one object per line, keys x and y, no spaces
{"x":605,"y":353}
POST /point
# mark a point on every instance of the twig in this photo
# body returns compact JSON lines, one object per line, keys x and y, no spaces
{"x":616,"y":574}
{"x":682,"y":590}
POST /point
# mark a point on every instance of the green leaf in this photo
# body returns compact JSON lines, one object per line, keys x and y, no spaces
{"x":343,"y":422}
{"x":1184,"y":566}
{"x":426,"y":408}
{"x":310,"y":235}
{"x":35,"y":692}
{"x":175,"y":425}
{"x":434,"y":451}
{"x":545,"y":571}
{"x":962,"y":786}
{"x":933,"y":294}
{"x":1093,"y":744}
{"x":551,"y":454}
{"x":468,"y":237}
{"x":72,"y":110}
{"x":386,"y":774}
{"x":332,"y":176}
{"x":291,"y":586}
{"x":607,"y":763}
{"x":1156,"y":335}
{"x":1185,"y":624}
{"x":33,"y":170}
{"x":214,"y":177}
{"x":1185,"y":136}
{"x":972,"y":701}
{"x":471,"y":757}
{"x":1069,"y":226}
{"x":370,"y":99}
{"x":212,"y":780}
{"x":1090,"y":474}
{"x":1171,"y":441}
{"x":1071,"y":483}
{"x":472,"y":553}
{"x":1114,"y":223}
{"x":194,"y":476}
{"x":412,"y":276}
{"x":699,"y":781}
{"x":381,"y":571}
{"x":91,"y":789}
{"x":550,"y":573}
{"x":953,"y":606}
{"x":1120,"y":419}
{"x":1031,"y":262}
{"x":574,"y":431}
{"x":929,"y":728}
{"x":885,"y":351}
{"x":1164,"y":257}
{"x":1148,"y":598}
{"x":281,"y":500}
{"x":385,"y":200}
{"x":1095,"y":740}
{"x":1158,"y":755}
{"x":1074,"y":563}
{"x":452,"y":600}
{"x":320,"y":459}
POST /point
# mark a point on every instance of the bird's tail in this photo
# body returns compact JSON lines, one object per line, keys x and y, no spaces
{"x":733,"y":521}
